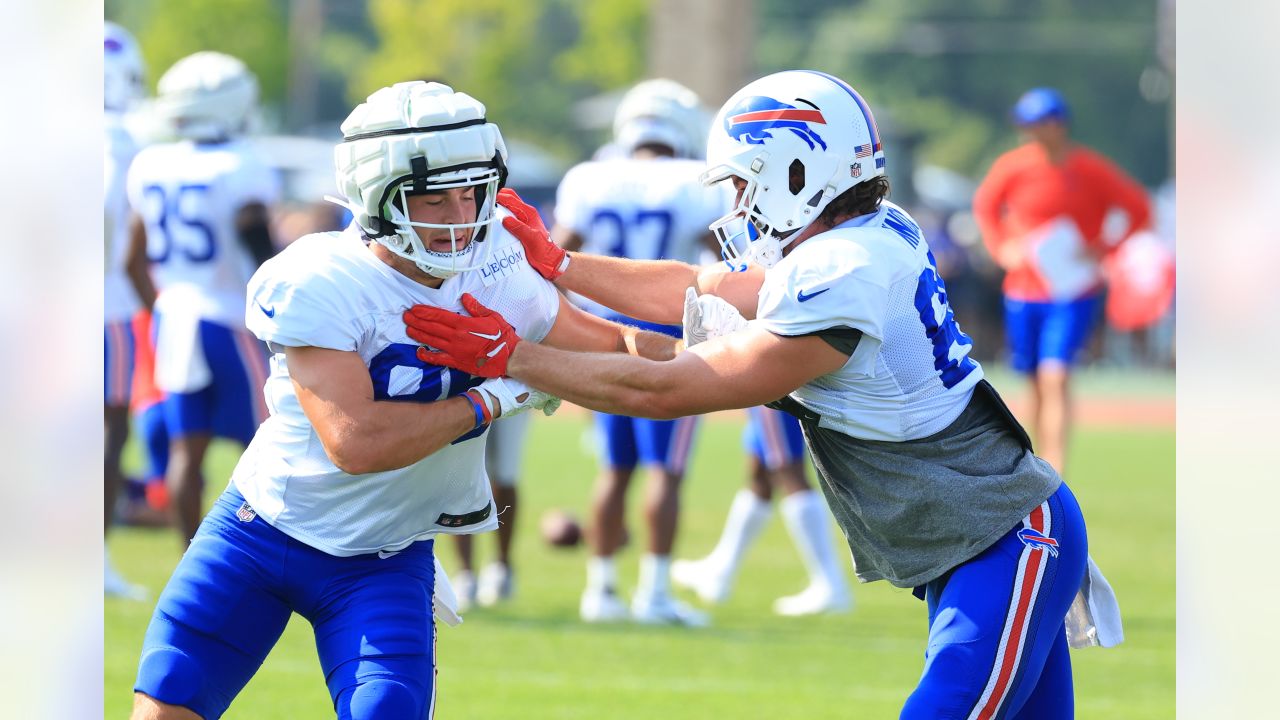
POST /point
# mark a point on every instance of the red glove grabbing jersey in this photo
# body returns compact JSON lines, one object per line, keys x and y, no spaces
{"x":549,"y":259}
{"x":479,"y":344}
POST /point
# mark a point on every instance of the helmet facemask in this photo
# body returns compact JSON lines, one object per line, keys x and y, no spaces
{"x":762,"y":224}
{"x":746,"y":235}
{"x":403,"y":238}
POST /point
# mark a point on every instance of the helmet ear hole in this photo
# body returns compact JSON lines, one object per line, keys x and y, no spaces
{"x":795,"y":177}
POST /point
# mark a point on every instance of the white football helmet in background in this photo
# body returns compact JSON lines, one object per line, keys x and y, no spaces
{"x":207,"y":96}
{"x":123,"y":69}
{"x":417,"y":137}
{"x":661,"y":111}
{"x":799,"y":139}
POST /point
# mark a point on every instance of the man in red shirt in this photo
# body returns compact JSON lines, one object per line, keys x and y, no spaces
{"x":1041,"y":210}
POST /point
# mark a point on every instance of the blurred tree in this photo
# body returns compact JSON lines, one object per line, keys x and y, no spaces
{"x":527,"y":62}
{"x":947,"y":74}
{"x":464,"y":42}
{"x":611,"y":48}
{"x":252,"y":30}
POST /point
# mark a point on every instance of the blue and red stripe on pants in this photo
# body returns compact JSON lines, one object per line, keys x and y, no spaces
{"x":997,"y":641}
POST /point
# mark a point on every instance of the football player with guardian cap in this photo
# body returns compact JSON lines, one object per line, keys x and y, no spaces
{"x":839,"y":316}
{"x":202,"y":205}
{"x":644,"y":203}
{"x":370,"y":451}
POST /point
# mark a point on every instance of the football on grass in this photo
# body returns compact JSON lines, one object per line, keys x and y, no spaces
{"x":560,"y":529}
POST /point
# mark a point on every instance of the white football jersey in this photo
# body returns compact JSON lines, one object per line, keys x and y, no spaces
{"x":329,"y":290}
{"x":639,"y":209}
{"x":910,"y":375}
{"x":188,"y":194}
{"x":120,"y":300}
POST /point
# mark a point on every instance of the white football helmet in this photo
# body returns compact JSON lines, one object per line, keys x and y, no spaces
{"x":661,"y":111}
{"x":123,"y":69}
{"x":799,"y":139}
{"x":417,"y":137}
{"x":207,"y":96}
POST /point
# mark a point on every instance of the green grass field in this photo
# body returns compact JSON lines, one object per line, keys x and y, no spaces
{"x":534,"y":659}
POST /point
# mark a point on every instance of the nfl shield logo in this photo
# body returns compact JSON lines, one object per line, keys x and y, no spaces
{"x":246,"y":513}
{"x":856,"y":169}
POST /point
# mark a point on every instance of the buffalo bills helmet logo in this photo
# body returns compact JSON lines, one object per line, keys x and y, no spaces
{"x":1037,"y":540}
{"x":753,"y":117}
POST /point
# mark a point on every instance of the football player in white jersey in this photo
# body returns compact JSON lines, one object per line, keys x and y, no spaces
{"x":371,"y":449}
{"x":202,"y":205}
{"x":930,"y":477}
{"x":645,"y":203}
{"x":123,"y":71}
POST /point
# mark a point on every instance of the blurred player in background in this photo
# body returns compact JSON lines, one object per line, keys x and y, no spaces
{"x":203,"y":204}
{"x":645,"y":203}
{"x":1041,"y":210}
{"x":504,"y":450}
{"x":148,"y":501}
{"x":123,"y":70}
{"x":371,"y":450}
{"x":775,"y":445}
{"x":929,"y":475}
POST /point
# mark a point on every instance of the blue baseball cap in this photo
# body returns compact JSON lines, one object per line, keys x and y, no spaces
{"x":1039,"y":105}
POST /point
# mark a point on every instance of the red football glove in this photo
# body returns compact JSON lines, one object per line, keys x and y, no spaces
{"x":479,"y":344}
{"x":549,"y":259}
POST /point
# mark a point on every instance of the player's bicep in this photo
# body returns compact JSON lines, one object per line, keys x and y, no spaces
{"x":749,"y":368}
{"x":739,"y":289}
{"x":331,"y":386}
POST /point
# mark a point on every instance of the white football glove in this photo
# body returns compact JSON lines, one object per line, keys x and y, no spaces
{"x":506,"y":397}
{"x":707,"y":317}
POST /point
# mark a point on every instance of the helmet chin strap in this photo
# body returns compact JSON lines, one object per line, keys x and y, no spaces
{"x":768,"y":248}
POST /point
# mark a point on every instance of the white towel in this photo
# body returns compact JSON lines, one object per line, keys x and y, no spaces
{"x":181,"y":366}
{"x":1094,"y":617}
{"x":444,"y":603}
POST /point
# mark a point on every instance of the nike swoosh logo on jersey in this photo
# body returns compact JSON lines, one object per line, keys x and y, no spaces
{"x":804,"y":298}
{"x":268,"y":311}
{"x":496,"y":350}
{"x":494,"y":336}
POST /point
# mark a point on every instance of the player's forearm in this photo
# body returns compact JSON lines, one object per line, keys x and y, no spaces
{"x":649,"y":290}
{"x":140,"y":278}
{"x":387,"y":435}
{"x":1137,"y":207}
{"x":607,"y":382}
{"x":651,"y":345}
{"x":136,"y":264}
